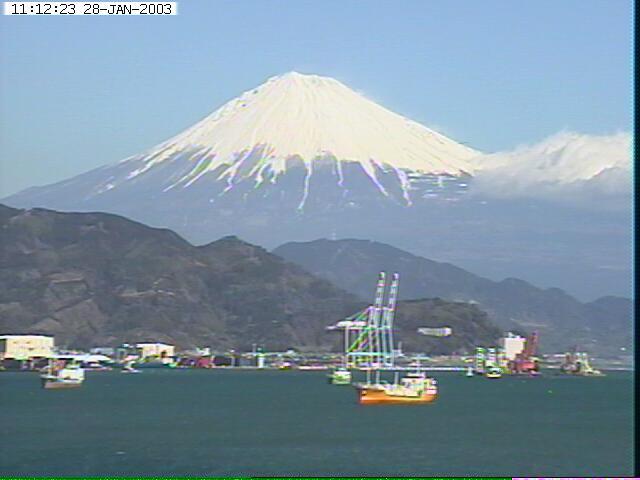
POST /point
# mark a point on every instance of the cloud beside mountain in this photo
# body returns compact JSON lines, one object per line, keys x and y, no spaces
{"x":570,"y":167}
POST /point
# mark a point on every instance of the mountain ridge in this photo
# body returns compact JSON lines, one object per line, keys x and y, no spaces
{"x":602,"y":326}
{"x":95,"y":279}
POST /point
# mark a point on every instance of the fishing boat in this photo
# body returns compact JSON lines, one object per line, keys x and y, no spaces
{"x":411,"y":389}
{"x":340,"y":376}
{"x":493,"y":372}
{"x":57,"y":376}
{"x":577,"y":363}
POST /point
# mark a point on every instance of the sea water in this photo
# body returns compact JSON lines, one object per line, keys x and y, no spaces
{"x":223,"y":422}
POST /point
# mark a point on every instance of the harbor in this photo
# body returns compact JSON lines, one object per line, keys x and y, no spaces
{"x":368,"y":345}
{"x":152,"y":408}
{"x":198,"y":411}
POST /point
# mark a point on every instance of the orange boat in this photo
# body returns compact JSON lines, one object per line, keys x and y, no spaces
{"x":411,"y":389}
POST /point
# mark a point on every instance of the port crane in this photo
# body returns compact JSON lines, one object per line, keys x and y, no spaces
{"x":368,"y":334}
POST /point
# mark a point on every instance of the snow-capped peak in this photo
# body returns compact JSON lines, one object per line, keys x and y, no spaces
{"x":306,"y":117}
{"x":563,"y":158}
{"x":568,"y":165}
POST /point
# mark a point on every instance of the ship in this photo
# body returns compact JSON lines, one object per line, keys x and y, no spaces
{"x":493,"y":372}
{"x":57,"y":375}
{"x":340,"y":376}
{"x":411,"y":389}
{"x":577,"y":363}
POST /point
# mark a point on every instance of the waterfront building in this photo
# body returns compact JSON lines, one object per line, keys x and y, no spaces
{"x":436,"y":331}
{"x":160,"y":350}
{"x":196,"y":352}
{"x":512,"y":345}
{"x":25,"y":347}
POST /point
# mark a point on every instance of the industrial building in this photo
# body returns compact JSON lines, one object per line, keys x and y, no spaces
{"x":25,"y":347}
{"x":160,"y":350}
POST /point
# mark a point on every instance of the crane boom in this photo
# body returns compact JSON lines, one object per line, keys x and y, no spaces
{"x":368,"y":336}
{"x":374,"y":319}
{"x":387,"y":321}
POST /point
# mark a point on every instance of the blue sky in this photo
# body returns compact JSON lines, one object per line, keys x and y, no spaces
{"x":79,"y":92}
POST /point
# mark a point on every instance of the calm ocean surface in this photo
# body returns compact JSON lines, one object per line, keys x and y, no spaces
{"x":199,"y":422}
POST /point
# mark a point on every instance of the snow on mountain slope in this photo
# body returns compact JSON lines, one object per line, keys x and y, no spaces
{"x":566,"y":165}
{"x":310,"y":118}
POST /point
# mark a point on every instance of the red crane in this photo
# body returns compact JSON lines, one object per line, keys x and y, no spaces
{"x":525,"y":361}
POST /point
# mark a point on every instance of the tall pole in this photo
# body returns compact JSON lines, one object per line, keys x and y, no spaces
{"x":388,"y":319}
{"x":384,"y":343}
{"x":374,"y":318}
{"x":346,"y":346}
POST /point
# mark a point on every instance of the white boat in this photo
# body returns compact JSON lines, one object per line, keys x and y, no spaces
{"x":128,"y":368}
{"x":340,"y":376}
{"x":62,"y":376}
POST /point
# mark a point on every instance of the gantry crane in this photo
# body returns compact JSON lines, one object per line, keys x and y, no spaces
{"x":368,"y":334}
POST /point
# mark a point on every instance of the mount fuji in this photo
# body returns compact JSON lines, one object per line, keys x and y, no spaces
{"x":293,"y":125}
{"x":302,"y":157}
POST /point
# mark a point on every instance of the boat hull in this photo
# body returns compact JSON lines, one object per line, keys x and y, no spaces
{"x":153,"y":365}
{"x":585,"y":374}
{"x":67,"y":377}
{"x":56,"y":384}
{"x":378,"y":396}
{"x":339,"y":381}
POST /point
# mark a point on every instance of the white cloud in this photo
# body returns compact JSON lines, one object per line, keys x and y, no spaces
{"x":571,"y":167}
